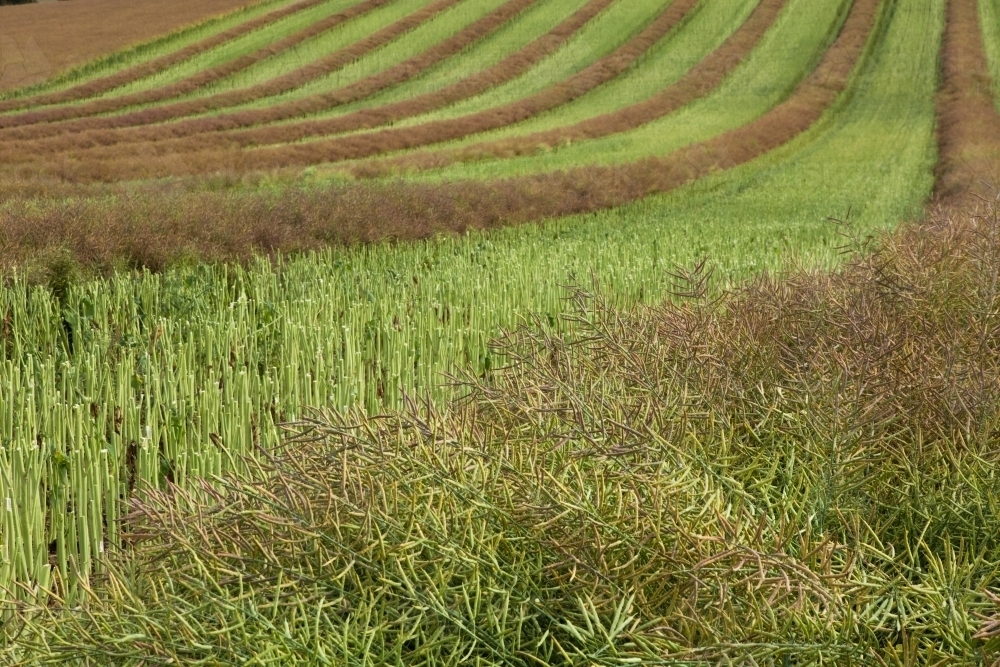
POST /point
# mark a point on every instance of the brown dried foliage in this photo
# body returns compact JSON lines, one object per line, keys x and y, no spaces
{"x":145,"y":23}
{"x":968,"y":122}
{"x":13,"y":128}
{"x":210,"y":129}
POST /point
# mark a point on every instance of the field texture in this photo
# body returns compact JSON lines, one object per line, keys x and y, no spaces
{"x":300,"y":219}
{"x":40,"y":41}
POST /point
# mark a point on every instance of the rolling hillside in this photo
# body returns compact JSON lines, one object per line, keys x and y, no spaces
{"x":332,"y":204}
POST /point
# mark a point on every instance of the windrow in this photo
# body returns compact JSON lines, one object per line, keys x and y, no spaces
{"x":968,"y":122}
{"x":157,"y":65}
{"x":11,"y":130}
{"x":359,"y":146}
{"x":698,"y":82}
{"x":210,"y":129}
{"x":196,"y":81}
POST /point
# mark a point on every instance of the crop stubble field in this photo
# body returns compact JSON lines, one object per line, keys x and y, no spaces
{"x":317,"y":210}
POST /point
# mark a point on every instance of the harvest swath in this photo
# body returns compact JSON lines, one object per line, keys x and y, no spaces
{"x":306,"y":214}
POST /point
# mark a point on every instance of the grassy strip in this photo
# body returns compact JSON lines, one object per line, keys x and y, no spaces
{"x":802,"y":472}
{"x":402,"y":72}
{"x":123,"y":76}
{"x":275,"y":86}
{"x":600,"y":72}
{"x":989,"y":18}
{"x":663,"y":65}
{"x":968,"y":121}
{"x":698,"y":82}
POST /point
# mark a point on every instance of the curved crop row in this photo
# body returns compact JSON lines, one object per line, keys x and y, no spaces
{"x":140,"y":71}
{"x":789,"y":51}
{"x":509,"y":68}
{"x":602,"y":71}
{"x":703,"y":78}
{"x":197,"y":81}
{"x":969,"y":124}
{"x":31,"y":126}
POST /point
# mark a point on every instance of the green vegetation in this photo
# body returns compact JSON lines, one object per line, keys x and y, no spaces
{"x":786,"y":55}
{"x":262,"y":38}
{"x":989,"y":14}
{"x":770,"y":458}
{"x":412,"y":44}
{"x":534,"y":23}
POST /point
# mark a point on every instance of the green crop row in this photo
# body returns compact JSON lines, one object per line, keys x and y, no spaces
{"x":787,"y":53}
{"x":530,"y":25}
{"x":259,"y":39}
{"x":989,"y":17}
{"x":413,"y":43}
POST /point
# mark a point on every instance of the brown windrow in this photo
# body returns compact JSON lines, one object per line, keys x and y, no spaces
{"x":968,"y":121}
{"x":359,"y":146}
{"x":196,"y":81}
{"x":149,"y":228}
{"x":171,"y":136}
{"x":703,"y":78}
{"x":10,"y":129}
{"x":155,"y":66}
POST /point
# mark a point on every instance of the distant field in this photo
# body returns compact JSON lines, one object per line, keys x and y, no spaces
{"x":40,"y":40}
{"x":335,"y":203}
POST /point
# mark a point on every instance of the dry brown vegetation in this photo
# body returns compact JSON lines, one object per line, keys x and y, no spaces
{"x":202,"y":78}
{"x":69,"y":33}
{"x":210,"y":129}
{"x":968,"y":121}
{"x":34,"y":125}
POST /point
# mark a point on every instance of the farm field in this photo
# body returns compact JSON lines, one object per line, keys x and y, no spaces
{"x":491,"y":332}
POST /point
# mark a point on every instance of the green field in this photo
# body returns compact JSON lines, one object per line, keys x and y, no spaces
{"x":120,"y":382}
